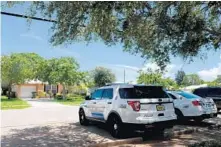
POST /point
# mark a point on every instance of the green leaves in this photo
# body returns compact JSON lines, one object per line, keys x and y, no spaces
{"x":102,"y":76}
{"x":179,"y":77}
{"x":191,"y":79}
{"x":19,"y":67}
{"x":62,"y":70}
{"x":154,"y":30}
{"x":155,"y":77}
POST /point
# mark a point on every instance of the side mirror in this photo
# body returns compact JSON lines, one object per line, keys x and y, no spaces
{"x":87,"y":97}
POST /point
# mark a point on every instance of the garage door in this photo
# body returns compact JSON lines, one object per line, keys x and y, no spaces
{"x":26,"y":91}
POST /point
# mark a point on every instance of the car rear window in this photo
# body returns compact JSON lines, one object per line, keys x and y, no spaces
{"x":188,"y":95}
{"x":200,"y":92}
{"x":214,"y":92}
{"x":138,"y":92}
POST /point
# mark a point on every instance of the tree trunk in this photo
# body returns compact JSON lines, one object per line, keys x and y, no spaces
{"x":9,"y":91}
{"x":64,"y":92}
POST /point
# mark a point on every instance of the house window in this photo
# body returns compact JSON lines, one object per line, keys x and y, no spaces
{"x":52,"y":88}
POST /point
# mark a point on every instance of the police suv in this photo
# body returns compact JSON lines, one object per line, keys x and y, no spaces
{"x":125,"y":107}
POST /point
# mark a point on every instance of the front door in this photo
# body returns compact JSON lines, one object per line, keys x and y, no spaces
{"x":104,"y":105}
{"x":95,"y":99}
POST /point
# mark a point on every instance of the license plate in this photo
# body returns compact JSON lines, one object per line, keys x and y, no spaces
{"x":160,"y":107}
{"x":208,"y":105}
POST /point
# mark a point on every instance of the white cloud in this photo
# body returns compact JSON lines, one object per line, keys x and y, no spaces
{"x":32,"y":35}
{"x":210,"y":74}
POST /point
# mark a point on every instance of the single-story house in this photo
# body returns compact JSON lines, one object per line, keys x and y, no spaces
{"x":25,"y":90}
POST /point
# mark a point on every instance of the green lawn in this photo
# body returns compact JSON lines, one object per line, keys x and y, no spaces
{"x":73,"y":101}
{"x":14,"y":103}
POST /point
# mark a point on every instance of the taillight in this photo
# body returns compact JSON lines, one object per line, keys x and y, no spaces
{"x":196,"y":103}
{"x":135,"y":105}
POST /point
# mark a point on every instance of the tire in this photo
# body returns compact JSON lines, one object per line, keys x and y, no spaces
{"x":180,"y":116}
{"x":115,"y":126}
{"x":82,"y":118}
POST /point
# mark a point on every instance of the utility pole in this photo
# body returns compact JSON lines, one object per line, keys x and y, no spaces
{"x":124,"y":75}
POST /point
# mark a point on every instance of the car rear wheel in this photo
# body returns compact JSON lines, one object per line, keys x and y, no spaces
{"x":180,"y":116}
{"x":115,"y":126}
{"x":82,"y":118}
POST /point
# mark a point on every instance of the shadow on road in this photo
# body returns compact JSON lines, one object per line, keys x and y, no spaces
{"x":72,"y":134}
{"x":55,"y":136}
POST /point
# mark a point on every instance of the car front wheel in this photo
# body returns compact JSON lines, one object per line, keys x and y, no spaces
{"x":82,"y":118}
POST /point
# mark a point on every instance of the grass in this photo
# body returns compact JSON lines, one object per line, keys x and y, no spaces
{"x":74,"y":101}
{"x":14,"y":103}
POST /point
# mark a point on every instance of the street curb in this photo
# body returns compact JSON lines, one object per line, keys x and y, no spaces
{"x":119,"y":142}
{"x":140,"y":139}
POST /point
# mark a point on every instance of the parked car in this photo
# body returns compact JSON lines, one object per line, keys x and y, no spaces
{"x":210,"y":92}
{"x":126,"y":107}
{"x":191,"y":106}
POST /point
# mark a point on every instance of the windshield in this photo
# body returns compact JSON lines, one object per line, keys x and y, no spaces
{"x":187,"y":95}
{"x":138,"y":92}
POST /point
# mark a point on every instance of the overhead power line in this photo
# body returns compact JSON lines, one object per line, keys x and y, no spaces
{"x":25,"y":16}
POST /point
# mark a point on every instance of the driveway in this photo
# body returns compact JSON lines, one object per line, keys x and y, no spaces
{"x":42,"y":112}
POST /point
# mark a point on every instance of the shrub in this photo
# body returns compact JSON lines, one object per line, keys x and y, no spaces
{"x":41,"y":94}
{"x":211,"y":143}
{"x":12,"y":94}
{"x":59,"y":96}
{"x":50,"y":93}
{"x":73,"y":96}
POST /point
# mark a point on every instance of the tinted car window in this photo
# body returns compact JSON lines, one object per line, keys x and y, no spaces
{"x":97,"y":94}
{"x":172,"y":96}
{"x":214,"y":92}
{"x":138,"y":92}
{"x":201,"y":92}
{"x":188,"y":95}
{"x":108,"y":93}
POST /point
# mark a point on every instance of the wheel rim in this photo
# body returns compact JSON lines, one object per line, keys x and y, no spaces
{"x":115,"y":126}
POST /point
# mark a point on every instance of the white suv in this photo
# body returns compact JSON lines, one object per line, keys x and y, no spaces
{"x":125,"y":107}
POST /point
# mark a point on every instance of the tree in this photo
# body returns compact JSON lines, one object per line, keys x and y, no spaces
{"x":179,"y":77}
{"x":156,"y":30}
{"x":17,"y":68}
{"x":89,"y":80}
{"x":155,"y":77}
{"x":102,"y":76}
{"x":62,"y":71}
{"x":149,"y":77}
{"x":192,"y":79}
{"x":218,"y":79}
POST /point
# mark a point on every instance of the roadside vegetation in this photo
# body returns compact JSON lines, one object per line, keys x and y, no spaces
{"x":15,"y":103}
{"x":70,"y":99}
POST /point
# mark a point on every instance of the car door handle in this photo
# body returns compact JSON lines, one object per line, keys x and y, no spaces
{"x":109,"y":102}
{"x":94,"y":102}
